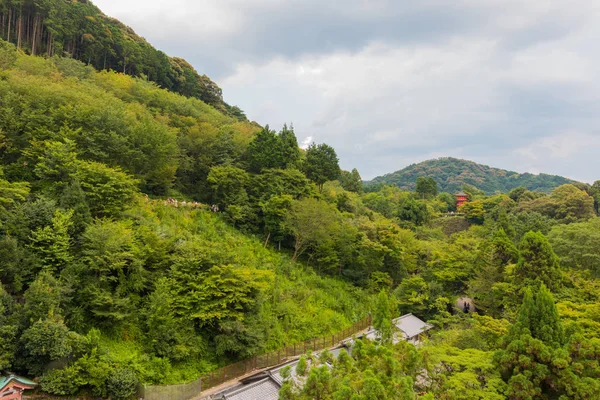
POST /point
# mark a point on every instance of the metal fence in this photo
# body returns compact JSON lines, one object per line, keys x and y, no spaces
{"x":239,"y":369}
{"x":172,"y":392}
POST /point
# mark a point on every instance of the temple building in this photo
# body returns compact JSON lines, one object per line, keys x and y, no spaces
{"x":12,"y":387}
{"x":461,"y":198}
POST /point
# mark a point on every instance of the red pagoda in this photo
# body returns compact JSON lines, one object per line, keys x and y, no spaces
{"x":461,"y":198}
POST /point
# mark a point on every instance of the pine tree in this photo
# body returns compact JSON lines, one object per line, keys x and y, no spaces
{"x":264,"y":152}
{"x":533,"y":361}
{"x":290,"y":151}
{"x":546,"y":325}
{"x":537,"y":262}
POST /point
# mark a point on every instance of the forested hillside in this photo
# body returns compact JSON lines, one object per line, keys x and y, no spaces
{"x":452,"y":174}
{"x":146,"y":237}
{"x":79,"y":30}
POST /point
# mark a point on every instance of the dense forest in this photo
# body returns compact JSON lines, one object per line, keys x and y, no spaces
{"x":79,"y":30}
{"x":146,"y":237}
{"x":452,"y":174}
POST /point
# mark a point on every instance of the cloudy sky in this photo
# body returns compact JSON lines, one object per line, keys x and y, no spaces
{"x":511,"y":84}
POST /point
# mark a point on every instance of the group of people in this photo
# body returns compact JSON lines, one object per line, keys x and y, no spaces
{"x":467,"y":307}
{"x":176,"y":203}
{"x":170,"y":201}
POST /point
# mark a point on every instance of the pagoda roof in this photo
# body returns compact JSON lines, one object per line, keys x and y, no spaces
{"x":461,"y":193}
{"x":27,"y":383}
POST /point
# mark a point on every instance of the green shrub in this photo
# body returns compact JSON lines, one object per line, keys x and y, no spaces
{"x":122,"y":384}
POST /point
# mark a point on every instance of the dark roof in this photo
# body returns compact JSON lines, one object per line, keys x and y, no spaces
{"x":5,"y":380}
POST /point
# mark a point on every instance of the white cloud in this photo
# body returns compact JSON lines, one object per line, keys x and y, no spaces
{"x":306,"y":142}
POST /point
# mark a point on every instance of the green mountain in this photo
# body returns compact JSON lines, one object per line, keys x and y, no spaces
{"x":78,"y":29}
{"x":147,"y":238}
{"x":452,"y":173}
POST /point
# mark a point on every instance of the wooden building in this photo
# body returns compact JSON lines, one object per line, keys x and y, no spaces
{"x":461,"y":198}
{"x":12,"y":387}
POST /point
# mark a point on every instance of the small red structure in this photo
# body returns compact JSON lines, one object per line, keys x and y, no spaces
{"x":461,"y":198}
{"x":12,"y":387}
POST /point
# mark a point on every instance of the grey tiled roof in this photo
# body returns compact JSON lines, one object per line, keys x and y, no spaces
{"x":266,"y":389}
{"x":411,"y":326}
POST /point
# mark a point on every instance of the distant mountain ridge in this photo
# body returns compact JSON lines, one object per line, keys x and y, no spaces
{"x":452,"y":173}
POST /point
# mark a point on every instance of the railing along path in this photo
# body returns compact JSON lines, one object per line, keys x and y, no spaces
{"x":241,"y":368}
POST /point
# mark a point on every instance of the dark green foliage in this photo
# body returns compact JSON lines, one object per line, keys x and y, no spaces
{"x":11,"y":192}
{"x":289,"y":147}
{"x":451,"y":174}
{"x":351,"y":181}
{"x":594,"y":191}
{"x":264,"y":152}
{"x":524,"y":222}
{"x":537,"y":262}
{"x":502,"y":249}
{"x":8,"y":329}
{"x":449,"y":200}
{"x":535,"y":362}
{"x":48,"y":340}
{"x":169,"y":336}
{"x":228,"y":186}
{"x":274,"y":211}
{"x":122,"y":384}
{"x":413,"y":211}
{"x":44,"y":297}
{"x":321,"y":164}
{"x":269,"y":150}
{"x":426,"y":188}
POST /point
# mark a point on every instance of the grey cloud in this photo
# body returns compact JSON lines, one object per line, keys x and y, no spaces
{"x":503,"y":82}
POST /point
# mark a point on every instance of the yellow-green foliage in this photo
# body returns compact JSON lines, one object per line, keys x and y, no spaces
{"x":113,"y":119}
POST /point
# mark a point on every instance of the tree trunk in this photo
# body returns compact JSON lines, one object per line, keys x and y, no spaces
{"x":20,"y":29}
{"x":50,"y":50}
{"x":267,"y":241}
{"x":9,"y":19}
{"x":34,"y":36}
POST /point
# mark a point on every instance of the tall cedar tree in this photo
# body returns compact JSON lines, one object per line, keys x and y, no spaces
{"x":537,"y":262}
